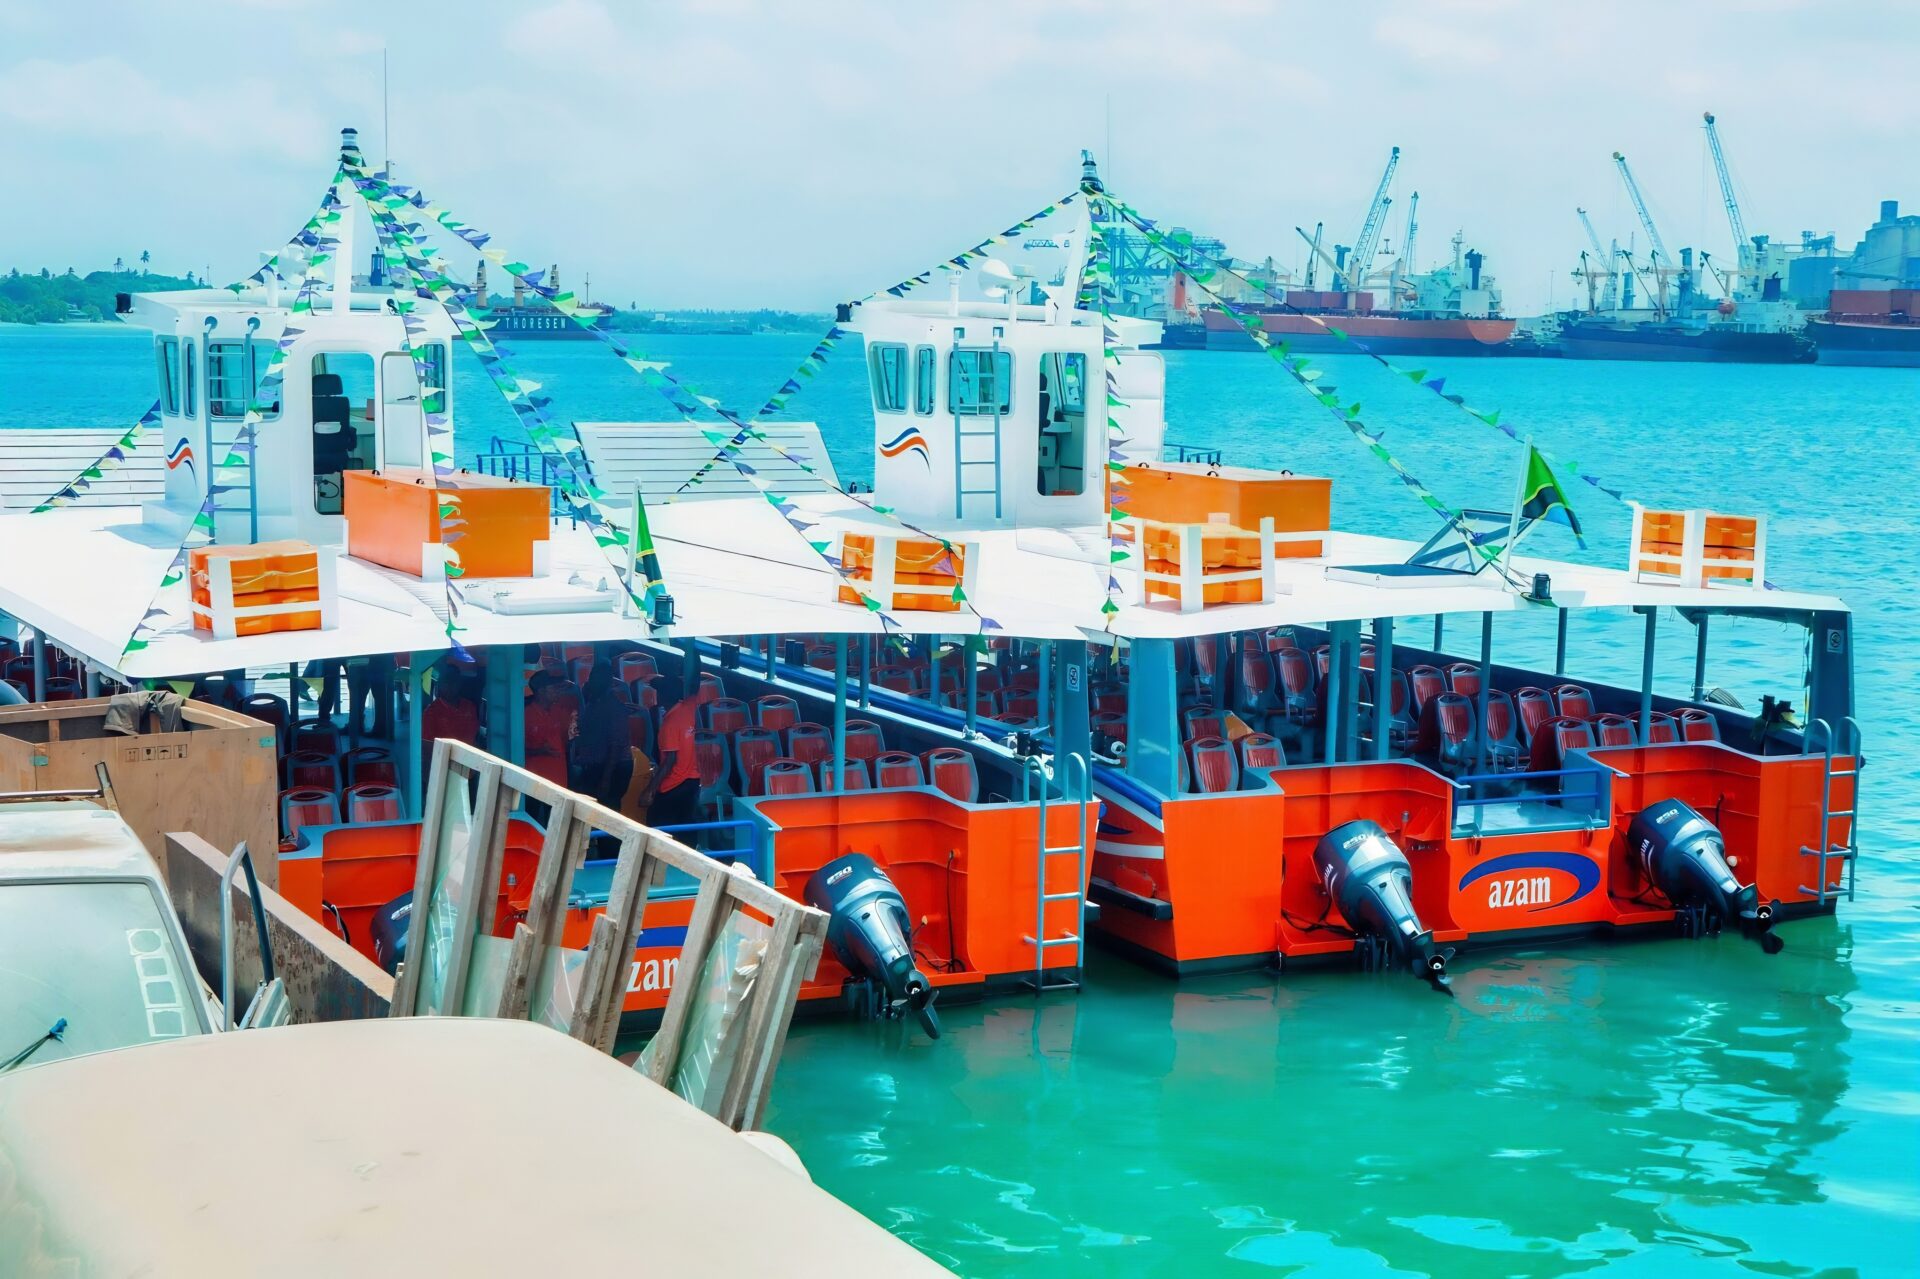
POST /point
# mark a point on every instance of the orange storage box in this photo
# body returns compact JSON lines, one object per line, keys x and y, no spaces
{"x":919,"y":562}
{"x":1238,"y":497}
{"x":261,"y":588}
{"x":393,"y":516}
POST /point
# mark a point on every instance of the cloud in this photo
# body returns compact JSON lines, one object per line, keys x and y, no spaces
{"x":107,"y":99}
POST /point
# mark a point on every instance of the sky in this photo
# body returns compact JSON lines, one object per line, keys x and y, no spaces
{"x":732,"y":154}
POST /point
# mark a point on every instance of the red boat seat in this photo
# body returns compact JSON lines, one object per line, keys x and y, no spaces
{"x":310,"y":735}
{"x":1401,"y":723}
{"x":1425,"y":683}
{"x":1323,"y":660}
{"x":1111,"y":725}
{"x":1110,"y":697}
{"x":711,"y":687}
{"x":373,"y":802}
{"x":1455,"y":744}
{"x":1556,"y":738}
{"x":951,"y":769}
{"x":1020,"y":722}
{"x":1281,"y":638}
{"x":1257,"y":695}
{"x":864,"y":739}
{"x":303,"y":806}
{"x":1464,"y":678}
{"x":776,"y":711}
{"x":789,"y":777}
{"x":1206,"y":662}
{"x":269,"y":709}
{"x":636,"y":668}
{"x":313,"y":769}
{"x":725,"y":715}
{"x":370,"y":764}
{"x":809,"y":743}
{"x":578,"y":668}
{"x":1616,"y":730}
{"x":857,"y":776}
{"x":1369,"y":655}
{"x":710,"y":754}
{"x":1662,"y":729}
{"x":896,"y":677}
{"x":753,"y":750}
{"x":894,"y":770}
{"x":1574,"y":701}
{"x":1698,"y":725}
{"x":1502,"y":731}
{"x":1203,"y":721}
{"x":1295,"y":670}
{"x":1260,"y":750}
{"x":1021,"y":703}
{"x":1214,"y":767}
{"x":1534,"y":707}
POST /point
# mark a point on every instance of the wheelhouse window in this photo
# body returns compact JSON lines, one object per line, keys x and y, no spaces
{"x":167,"y":354}
{"x":433,"y":356}
{"x":235,"y":371}
{"x":923,"y":372}
{"x":979,"y":382}
{"x":1062,"y":451}
{"x":888,"y":363}
{"x":190,"y":379}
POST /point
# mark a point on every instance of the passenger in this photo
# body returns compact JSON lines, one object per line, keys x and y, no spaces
{"x":550,"y":726}
{"x":451,"y":713}
{"x":602,"y":765}
{"x":675,"y":798}
{"x":370,"y":678}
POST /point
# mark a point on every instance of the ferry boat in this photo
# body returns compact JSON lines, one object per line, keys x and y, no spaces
{"x":938,"y":711}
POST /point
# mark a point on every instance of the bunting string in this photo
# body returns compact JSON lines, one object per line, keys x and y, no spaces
{"x":1096,"y":292}
{"x":1313,"y":381}
{"x":1186,"y":254}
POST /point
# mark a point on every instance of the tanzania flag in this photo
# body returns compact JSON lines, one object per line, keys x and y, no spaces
{"x":1542,"y":498}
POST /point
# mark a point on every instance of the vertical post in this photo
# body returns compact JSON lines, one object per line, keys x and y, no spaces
{"x":1336,"y":668}
{"x":418,"y":664}
{"x":1486,"y":689}
{"x":1560,"y":643}
{"x":840,"y":712}
{"x":1072,"y":715}
{"x":1439,"y":632}
{"x":1349,"y":652}
{"x":1383,"y":681}
{"x":1646,"y":674}
{"x":866,"y":671}
{"x":773,"y":645}
{"x":933,"y":669}
{"x":93,"y":680}
{"x":293,"y":697}
{"x":1043,"y":659}
{"x":39,"y":665}
{"x":1699,"y":656}
{"x":972,"y":690}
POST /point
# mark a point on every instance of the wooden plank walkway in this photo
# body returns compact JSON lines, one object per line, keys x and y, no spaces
{"x":34,"y":465}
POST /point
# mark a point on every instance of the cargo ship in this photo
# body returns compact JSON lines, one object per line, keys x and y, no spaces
{"x":1452,"y":310}
{"x":1868,"y":326}
{"x":540,"y":319}
{"x":1678,"y":340}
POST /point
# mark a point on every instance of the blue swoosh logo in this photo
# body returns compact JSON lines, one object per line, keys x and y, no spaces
{"x":1585,"y":871}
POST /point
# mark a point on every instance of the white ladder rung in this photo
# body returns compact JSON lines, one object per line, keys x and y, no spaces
{"x":1059,"y":897}
{"x":1070,"y":939}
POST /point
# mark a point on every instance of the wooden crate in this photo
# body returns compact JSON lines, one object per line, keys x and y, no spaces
{"x":217,"y":777}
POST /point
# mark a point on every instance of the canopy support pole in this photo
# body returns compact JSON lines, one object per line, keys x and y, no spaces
{"x":1560,"y":644}
{"x":418,"y":664}
{"x":1486,"y":688}
{"x":839,"y":713}
{"x":39,"y":665}
{"x":972,"y":693}
{"x":1383,"y":679}
{"x":933,"y":669}
{"x":1439,"y":632}
{"x":1646,"y":675}
{"x":1699,"y":656}
{"x":866,"y":670}
{"x":1043,"y":656}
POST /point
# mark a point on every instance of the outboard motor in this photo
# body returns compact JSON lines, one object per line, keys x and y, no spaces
{"x":389,"y":931}
{"x":871,"y":934}
{"x":1684,"y":856}
{"x":1368,"y":877}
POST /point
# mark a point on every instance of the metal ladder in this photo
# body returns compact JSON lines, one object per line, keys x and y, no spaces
{"x":961,"y":461}
{"x":1846,"y":850}
{"x":236,"y":478}
{"x":1075,"y":788}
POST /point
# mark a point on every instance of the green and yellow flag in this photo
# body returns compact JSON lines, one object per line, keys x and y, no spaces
{"x":1542,"y":498}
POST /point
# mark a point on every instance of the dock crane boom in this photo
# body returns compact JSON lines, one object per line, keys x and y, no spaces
{"x":1413,"y":231}
{"x":1658,"y":260}
{"x":1600,"y":263}
{"x":1742,"y":246}
{"x":1319,"y":254}
{"x":1360,"y":261}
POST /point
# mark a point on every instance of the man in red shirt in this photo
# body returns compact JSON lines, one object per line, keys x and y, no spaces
{"x":549,"y":721}
{"x":674,"y":798}
{"x":450,"y":713}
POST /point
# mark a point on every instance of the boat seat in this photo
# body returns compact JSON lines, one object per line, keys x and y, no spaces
{"x":753,"y":750}
{"x":370,"y":764}
{"x":1662,"y":729}
{"x":1295,"y":670}
{"x":857,"y":776}
{"x":1018,"y":722}
{"x":896,"y":770}
{"x":1401,"y":723}
{"x":304,"y":806}
{"x":1111,"y":725}
{"x":1261,"y":750}
{"x":1556,"y":738}
{"x":1109,"y":697}
{"x":809,"y":743}
{"x":1322,"y":661}
{"x":1214,"y":767}
{"x":895,"y":678}
{"x":636,"y":668}
{"x":314,"y":769}
{"x":710,"y":755}
{"x":1455,"y":742}
{"x":1505,"y":752}
{"x":1425,"y":683}
{"x":311,"y":735}
{"x":1257,"y":695}
{"x":20,"y":687}
{"x":789,"y":777}
{"x":1280,"y":639}
{"x":373,"y":802}
{"x":1206,"y":663}
{"x":864,"y":739}
{"x":951,"y":769}
{"x":1698,"y":725}
{"x":710,"y":687}
{"x":1616,"y":730}
{"x":1021,"y":703}
{"x":776,"y":711}
{"x":726,"y":715}
{"x":1533,"y":707}
{"x":1463,"y":678}
{"x":579,"y":669}
{"x":640,"y":728}
{"x":269,"y":708}
{"x":1574,"y":701}
{"x":1203,"y":721}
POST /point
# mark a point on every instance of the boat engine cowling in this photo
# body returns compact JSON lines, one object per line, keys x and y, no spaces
{"x":1685,"y":857}
{"x":872,"y":934}
{"x":1368,"y":878}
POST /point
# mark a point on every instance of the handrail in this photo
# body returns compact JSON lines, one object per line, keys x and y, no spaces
{"x":241,"y":857}
{"x":758,"y":847}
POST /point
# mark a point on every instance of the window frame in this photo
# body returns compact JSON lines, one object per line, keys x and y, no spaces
{"x":926,"y":376}
{"x":1001,"y":360}
{"x":166,"y":354}
{"x":876,"y":359}
{"x":217,"y":355}
{"x":189,"y":378}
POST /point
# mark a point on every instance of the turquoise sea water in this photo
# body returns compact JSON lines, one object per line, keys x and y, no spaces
{"x":1650,"y":1108}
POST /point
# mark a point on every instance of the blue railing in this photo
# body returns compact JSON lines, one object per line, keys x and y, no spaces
{"x":1536,"y":800}
{"x":1193,"y":453}
{"x":511,"y":460}
{"x":755,"y":853}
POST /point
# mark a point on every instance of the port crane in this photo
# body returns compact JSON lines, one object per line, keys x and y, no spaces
{"x":1743,"y":248}
{"x":1313,"y":258}
{"x":1413,"y":231}
{"x":1658,"y":260}
{"x":1319,"y":255}
{"x":1600,"y":255}
{"x":1360,"y":261}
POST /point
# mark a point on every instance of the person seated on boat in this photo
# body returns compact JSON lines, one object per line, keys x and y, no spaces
{"x":675,"y":797}
{"x":451,"y":713}
{"x":602,"y":762}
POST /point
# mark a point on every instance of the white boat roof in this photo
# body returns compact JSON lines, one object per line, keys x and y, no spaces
{"x":735,"y":567}
{"x":443,"y":1145}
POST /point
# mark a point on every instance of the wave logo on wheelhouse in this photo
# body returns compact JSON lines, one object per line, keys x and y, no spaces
{"x":908,"y":441}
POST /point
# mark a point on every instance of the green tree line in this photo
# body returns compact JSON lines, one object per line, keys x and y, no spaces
{"x":44,"y":297}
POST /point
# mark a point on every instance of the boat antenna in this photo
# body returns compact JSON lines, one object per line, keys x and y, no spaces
{"x":386,"y":124}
